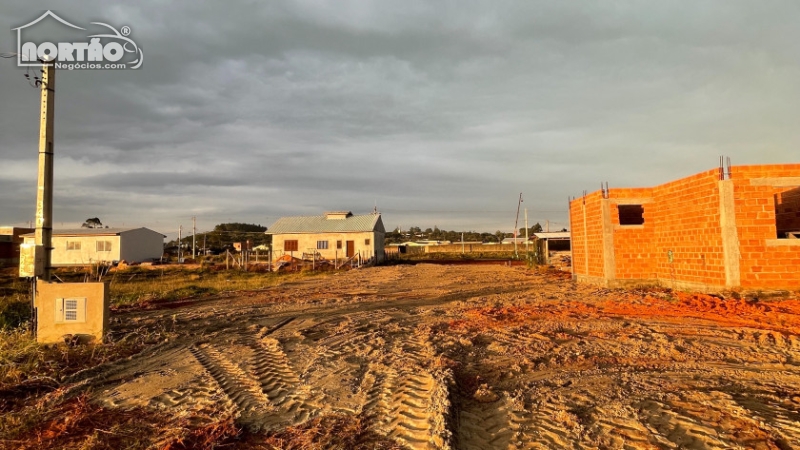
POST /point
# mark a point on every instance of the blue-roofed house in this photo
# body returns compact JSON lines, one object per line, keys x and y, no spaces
{"x":332,"y":235}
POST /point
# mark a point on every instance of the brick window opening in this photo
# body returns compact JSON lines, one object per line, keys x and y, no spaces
{"x":338,"y":245}
{"x":787,"y":214}
{"x":290,"y":246}
{"x":631,"y":214}
{"x":73,"y":245}
{"x":322,"y":245}
{"x":366,"y":241}
{"x":103,"y":246}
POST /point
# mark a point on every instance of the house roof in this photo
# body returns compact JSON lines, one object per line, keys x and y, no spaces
{"x":93,"y":231}
{"x":321,"y":224}
{"x":553,"y":235}
{"x":511,"y":240}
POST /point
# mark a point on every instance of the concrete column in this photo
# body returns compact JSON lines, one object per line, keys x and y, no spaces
{"x":730,"y":236}
{"x":609,"y":261}
{"x":585,"y":239}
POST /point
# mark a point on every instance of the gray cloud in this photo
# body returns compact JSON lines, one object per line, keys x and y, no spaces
{"x":440,"y":113}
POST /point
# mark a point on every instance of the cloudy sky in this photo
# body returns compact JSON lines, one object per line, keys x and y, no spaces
{"x":440,"y":113}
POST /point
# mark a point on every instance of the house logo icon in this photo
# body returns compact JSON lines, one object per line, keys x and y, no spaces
{"x":107,"y":50}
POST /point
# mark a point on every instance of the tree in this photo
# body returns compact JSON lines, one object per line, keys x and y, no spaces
{"x":537,"y":228}
{"x":93,"y":222}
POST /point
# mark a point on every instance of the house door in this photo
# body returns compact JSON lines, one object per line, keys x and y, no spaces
{"x":351,"y":248}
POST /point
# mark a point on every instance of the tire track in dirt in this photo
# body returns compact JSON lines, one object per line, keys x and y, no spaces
{"x":280,"y":383}
{"x":408,"y":405}
{"x":482,"y":426}
{"x":240,"y":388}
{"x":201,"y":400}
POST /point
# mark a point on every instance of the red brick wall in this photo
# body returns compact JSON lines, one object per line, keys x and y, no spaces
{"x":688,"y":224}
{"x":576,"y":237}
{"x":787,"y":211}
{"x":594,"y":226}
{"x":684,"y":219}
{"x":633,"y":244}
{"x":765,"y":266}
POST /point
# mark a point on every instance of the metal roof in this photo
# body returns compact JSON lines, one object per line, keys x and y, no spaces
{"x":320,"y":224}
{"x":93,"y":231}
{"x":553,"y":235}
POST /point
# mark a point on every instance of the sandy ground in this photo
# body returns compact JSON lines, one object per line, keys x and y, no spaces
{"x":477,"y":357}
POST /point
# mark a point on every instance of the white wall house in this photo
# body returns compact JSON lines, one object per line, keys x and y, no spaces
{"x":92,"y":245}
{"x":335,"y":234}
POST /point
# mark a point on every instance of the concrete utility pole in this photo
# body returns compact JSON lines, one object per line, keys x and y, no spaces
{"x":526,"y":230}
{"x":44,"y":195}
{"x":194,"y":229}
{"x":516,"y":221}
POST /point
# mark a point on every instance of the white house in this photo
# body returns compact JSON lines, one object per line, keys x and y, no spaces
{"x":82,"y":246}
{"x":335,"y":234}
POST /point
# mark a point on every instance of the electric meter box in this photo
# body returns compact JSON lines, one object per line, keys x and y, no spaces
{"x":71,"y":309}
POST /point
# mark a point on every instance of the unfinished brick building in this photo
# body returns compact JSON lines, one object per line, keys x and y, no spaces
{"x":716,"y":230}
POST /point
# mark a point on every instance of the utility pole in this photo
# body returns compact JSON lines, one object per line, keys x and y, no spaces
{"x":180,"y":244}
{"x":526,"y":230}
{"x":516,"y":221}
{"x":44,"y":195}
{"x":194,"y":229}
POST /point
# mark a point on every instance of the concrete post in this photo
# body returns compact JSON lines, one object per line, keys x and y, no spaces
{"x":44,"y":195}
{"x":730,"y":236}
{"x":609,"y":261}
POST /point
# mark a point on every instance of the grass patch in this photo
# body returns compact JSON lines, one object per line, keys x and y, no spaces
{"x":15,"y":301}
{"x":56,"y":422}
{"x":141,"y":287}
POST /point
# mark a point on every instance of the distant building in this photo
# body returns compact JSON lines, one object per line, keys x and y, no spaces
{"x":10,"y":238}
{"x":335,"y":234}
{"x":432,"y":242}
{"x":82,"y":246}
{"x":551,"y":241}
{"x":519,"y":240}
{"x":710,"y":231}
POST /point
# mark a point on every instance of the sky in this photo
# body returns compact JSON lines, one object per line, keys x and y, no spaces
{"x":437,"y":113}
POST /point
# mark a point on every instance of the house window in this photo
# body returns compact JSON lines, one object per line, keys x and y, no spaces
{"x":631,"y":214}
{"x":103,"y":246}
{"x":338,"y":245}
{"x":73,"y":245}
{"x":290,"y":246}
{"x":366,"y":241}
{"x":322,"y":245}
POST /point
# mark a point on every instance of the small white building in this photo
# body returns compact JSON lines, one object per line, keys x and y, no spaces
{"x":333,"y":235}
{"x":82,"y":246}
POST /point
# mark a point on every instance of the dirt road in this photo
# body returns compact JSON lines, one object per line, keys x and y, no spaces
{"x":477,"y":357}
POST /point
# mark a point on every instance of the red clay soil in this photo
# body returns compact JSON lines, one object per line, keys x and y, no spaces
{"x":783,"y":316}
